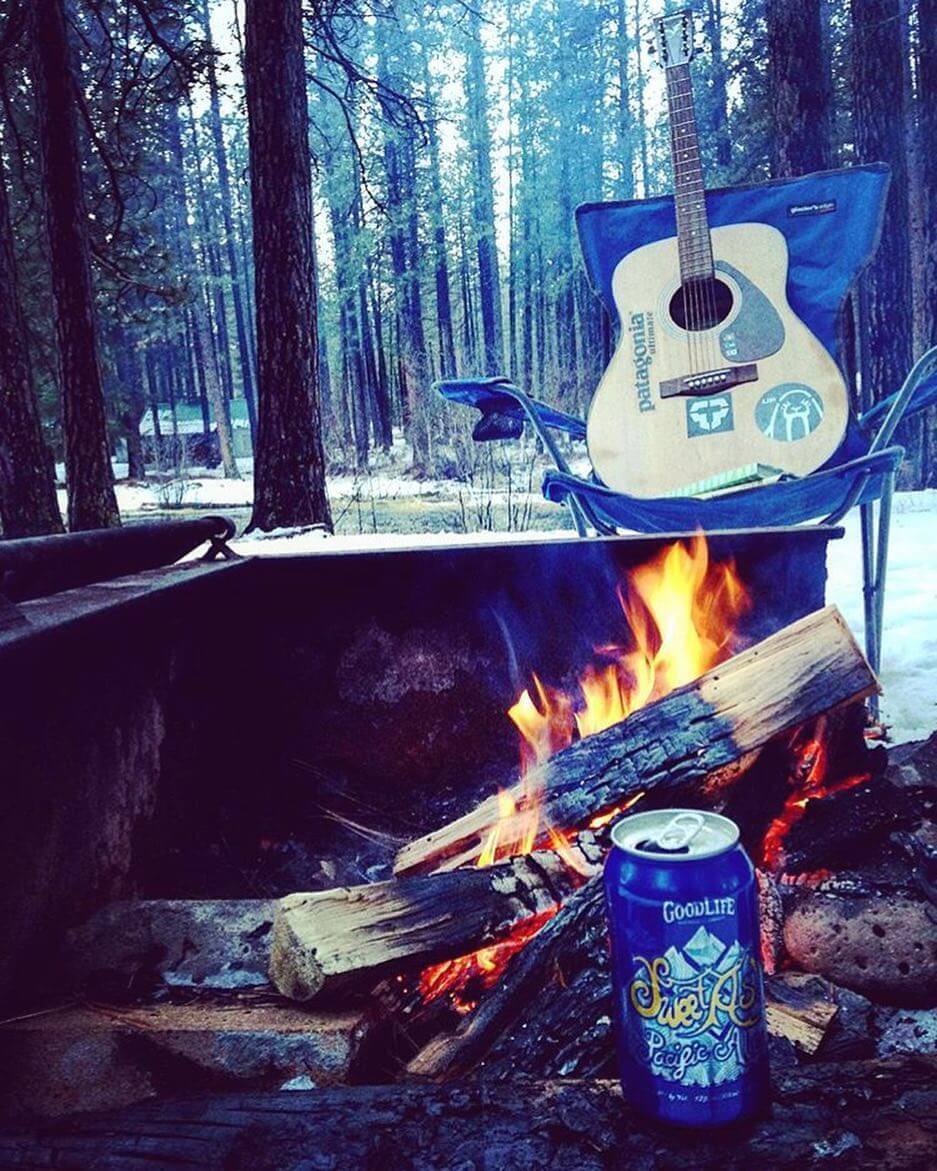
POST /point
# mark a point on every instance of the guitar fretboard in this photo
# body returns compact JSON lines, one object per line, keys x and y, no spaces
{"x":693,"y":240}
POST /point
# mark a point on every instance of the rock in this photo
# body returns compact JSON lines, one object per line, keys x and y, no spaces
{"x":130,"y":947}
{"x":912,"y":765}
{"x":907,"y":1031}
{"x":882,"y":946}
{"x":92,"y":1058}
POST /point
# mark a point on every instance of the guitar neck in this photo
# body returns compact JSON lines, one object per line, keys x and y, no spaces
{"x":693,"y":239}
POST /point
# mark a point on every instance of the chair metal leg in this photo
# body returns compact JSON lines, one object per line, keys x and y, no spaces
{"x":867,"y":517}
{"x":874,"y":569}
{"x":881,"y":563}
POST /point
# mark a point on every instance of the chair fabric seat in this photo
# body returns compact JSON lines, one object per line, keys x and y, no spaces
{"x":787,"y":502}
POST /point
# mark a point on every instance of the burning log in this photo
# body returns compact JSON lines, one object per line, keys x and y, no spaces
{"x":328,"y":939}
{"x":834,"y":830}
{"x":693,"y":739}
{"x":551,"y":1013}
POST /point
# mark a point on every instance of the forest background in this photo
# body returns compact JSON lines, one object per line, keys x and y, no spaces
{"x":267,"y":225}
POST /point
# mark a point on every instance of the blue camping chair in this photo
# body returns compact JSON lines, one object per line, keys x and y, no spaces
{"x":831,"y":222}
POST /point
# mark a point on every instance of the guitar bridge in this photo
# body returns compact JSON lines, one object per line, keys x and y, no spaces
{"x":709,"y":382}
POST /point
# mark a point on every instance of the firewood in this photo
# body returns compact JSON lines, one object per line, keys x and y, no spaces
{"x":862,"y":1114}
{"x":551,"y":1012}
{"x":327,"y":940}
{"x":565,"y":967}
{"x":799,"y":1008}
{"x":690,"y":741}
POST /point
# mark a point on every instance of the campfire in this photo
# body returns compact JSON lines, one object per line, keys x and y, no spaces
{"x":680,"y":616}
{"x":504,"y":899}
{"x":453,"y":781}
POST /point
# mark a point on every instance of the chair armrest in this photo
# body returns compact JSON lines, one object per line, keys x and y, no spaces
{"x":919,"y":390}
{"x":499,"y":396}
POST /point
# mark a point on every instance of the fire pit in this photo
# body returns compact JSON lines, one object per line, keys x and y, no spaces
{"x":339,"y":818}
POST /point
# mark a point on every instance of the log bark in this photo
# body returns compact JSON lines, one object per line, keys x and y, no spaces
{"x":327,"y":940}
{"x":551,"y":1013}
{"x":692,"y":740}
{"x":565,"y":971}
{"x":859,"y":1114}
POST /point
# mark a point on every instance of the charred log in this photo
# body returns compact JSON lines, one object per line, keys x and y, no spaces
{"x":551,"y":1013}
{"x":875,"y":1112}
{"x":837,"y":829}
{"x":690,"y":742}
{"x":326,"y":940}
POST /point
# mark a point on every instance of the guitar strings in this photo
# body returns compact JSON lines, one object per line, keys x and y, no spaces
{"x":692,"y":310}
{"x":675,"y":149}
{"x":703,"y":297}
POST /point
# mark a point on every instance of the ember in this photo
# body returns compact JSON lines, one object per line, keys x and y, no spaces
{"x":682,"y":613}
{"x":810,"y":781}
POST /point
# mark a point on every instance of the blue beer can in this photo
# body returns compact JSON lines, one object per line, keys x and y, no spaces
{"x":683,"y":914}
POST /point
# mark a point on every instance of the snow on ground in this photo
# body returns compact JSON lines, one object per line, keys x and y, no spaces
{"x":909,"y":648}
{"x":207,"y":488}
{"x":909,"y":660}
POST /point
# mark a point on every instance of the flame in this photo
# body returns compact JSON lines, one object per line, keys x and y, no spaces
{"x":811,"y":781}
{"x":463,"y":979}
{"x":682,"y":612}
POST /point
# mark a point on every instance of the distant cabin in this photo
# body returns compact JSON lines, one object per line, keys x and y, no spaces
{"x":179,"y":436}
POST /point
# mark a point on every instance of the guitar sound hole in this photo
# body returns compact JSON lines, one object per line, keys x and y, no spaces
{"x":701,"y":304}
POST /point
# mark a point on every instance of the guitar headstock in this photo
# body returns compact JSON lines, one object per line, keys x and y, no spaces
{"x":675,"y":38}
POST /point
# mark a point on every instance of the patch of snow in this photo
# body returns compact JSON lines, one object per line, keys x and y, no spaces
{"x":909,"y":646}
{"x":302,"y":1081}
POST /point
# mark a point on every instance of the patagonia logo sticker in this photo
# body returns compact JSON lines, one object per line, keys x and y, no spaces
{"x":709,"y":416}
{"x":822,"y":207}
{"x":789,"y":412}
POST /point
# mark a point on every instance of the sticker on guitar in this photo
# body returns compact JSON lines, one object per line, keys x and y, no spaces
{"x":789,"y":412}
{"x":709,"y":416}
{"x":642,"y":354}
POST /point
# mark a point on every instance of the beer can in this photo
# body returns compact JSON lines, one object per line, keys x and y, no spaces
{"x":683,"y":914}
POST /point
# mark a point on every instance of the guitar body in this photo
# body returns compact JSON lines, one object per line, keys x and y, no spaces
{"x":790,"y":414}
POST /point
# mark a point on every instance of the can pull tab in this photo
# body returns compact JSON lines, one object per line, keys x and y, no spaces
{"x":680,"y":831}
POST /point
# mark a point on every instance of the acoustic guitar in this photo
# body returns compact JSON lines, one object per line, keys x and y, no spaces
{"x":713,"y":372}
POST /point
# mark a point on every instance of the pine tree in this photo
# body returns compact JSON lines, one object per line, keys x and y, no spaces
{"x":91,"y":499}
{"x":289,"y":463}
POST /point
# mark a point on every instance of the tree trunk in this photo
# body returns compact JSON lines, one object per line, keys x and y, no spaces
{"x":800,"y":87}
{"x":718,"y":103}
{"x":879,"y":66}
{"x":400,"y":169}
{"x":201,"y":334}
{"x":289,"y":465}
{"x":927,"y":154}
{"x":447,"y":363}
{"x":642,"y":117}
{"x":227,"y":201}
{"x":216,"y":309}
{"x":28,"y":505}
{"x":91,"y":500}
{"x":479,"y":136}
{"x":624,"y":124}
